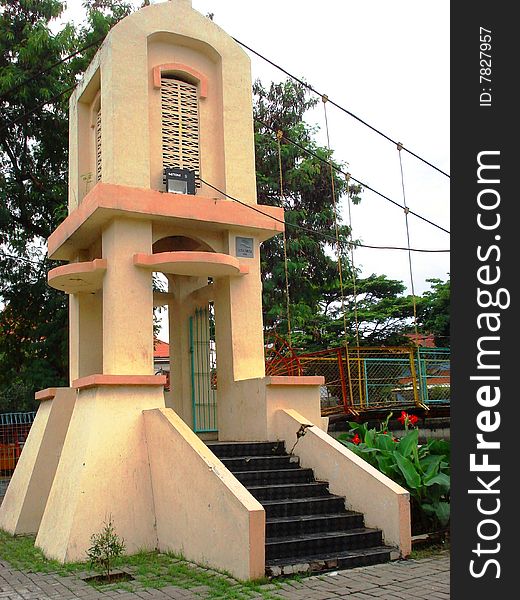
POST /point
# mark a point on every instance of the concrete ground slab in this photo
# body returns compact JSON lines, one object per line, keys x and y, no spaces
{"x":424,"y":579}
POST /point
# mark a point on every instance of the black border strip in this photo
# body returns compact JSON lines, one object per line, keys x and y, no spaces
{"x":483,"y":123}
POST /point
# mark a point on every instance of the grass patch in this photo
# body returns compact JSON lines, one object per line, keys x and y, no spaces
{"x":22,"y":554}
{"x":430,"y":550}
{"x":149,"y":569}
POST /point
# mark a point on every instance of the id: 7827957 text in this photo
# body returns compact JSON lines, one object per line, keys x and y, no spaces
{"x":485,"y":66}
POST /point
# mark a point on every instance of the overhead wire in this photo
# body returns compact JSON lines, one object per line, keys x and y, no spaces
{"x":33,"y":110}
{"x":307,"y":229}
{"x":348,"y":112}
{"x":21,"y":258}
{"x":399,"y":148}
{"x":364,"y":185}
{"x":286,"y":269}
{"x":38,"y":74}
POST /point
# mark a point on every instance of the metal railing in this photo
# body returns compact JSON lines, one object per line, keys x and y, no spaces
{"x":203,"y":372}
{"x":433,"y":367}
{"x":14,"y":429}
{"x":359,"y":379}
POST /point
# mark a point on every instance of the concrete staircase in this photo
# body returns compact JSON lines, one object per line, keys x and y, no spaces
{"x":308,"y":529}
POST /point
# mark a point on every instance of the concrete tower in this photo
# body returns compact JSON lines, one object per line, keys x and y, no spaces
{"x":161,"y":135}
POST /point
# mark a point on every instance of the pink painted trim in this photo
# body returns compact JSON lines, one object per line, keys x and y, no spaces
{"x":294,"y":380}
{"x":46,"y":394}
{"x":98,"y":380}
{"x":188,"y":257}
{"x":181,"y":68}
{"x":81,"y":268}
{"x":121,"y":200}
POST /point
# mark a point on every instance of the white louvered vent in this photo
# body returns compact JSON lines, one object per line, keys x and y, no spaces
{"x":180,"y":125}
{"x":98,"y":146}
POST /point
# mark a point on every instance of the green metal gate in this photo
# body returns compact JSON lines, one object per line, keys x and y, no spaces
{"x":434,"y":374}
{"x":203,"y":370}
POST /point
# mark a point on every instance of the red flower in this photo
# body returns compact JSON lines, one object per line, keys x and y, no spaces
{"x":413,"y":419}
{"x":356,"y":439}
{"x":403,"y":417}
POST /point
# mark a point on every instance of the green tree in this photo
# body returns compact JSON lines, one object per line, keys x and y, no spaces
{"x":316,"y":306}
{"x":34,"y":91}
{"x":434,"y":311}
{"x":308,"y":204}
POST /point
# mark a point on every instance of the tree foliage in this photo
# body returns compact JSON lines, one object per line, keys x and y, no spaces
{"x":434,"y":311}
{"x":309,"y":210}
{"x":34,"y":91}
{"x":316,"y":305}
{"x":35,"y":83}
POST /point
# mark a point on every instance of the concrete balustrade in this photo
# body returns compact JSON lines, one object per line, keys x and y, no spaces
{"x":385,"y":504}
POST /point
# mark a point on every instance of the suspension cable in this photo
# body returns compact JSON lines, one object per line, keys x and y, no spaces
{"x":352,"y":262}
{"x":308,"y":229}
{"x":279,"y":135}
{"x":338,"y":246}
{"x":399,"y":148}
{"x":361,"y":183}
{"x":348,"y":112}
{"x":336,"y":228}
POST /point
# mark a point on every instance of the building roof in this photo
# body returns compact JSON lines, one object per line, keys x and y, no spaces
{"x":160,"y":349}
{"x":424,"y":340}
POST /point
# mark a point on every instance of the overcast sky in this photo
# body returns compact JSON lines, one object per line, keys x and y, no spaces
{"x":388,"y":63}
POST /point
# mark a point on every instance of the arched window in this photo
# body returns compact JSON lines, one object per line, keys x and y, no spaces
{"x":180,"y":124}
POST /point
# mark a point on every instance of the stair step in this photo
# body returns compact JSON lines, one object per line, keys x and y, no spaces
{"x":324,"y":542}
{"x":244,"y":449}
{"x":294,"y":490}
{"x":291,"y":507}
{"x":306,"y":524}
{"x":274,"y":477}
{"x":308,"y":529}
{"x":260,"y":463}
{"x":347,"y":559}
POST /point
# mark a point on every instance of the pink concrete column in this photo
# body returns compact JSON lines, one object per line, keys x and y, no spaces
{"x":127,"y":300}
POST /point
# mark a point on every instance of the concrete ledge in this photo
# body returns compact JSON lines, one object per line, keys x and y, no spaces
{"x":201,"y":509}
{"x":384,"y":503}
{"x":46,"y":394}
{"x":295,"y":380}
{"x":77,"y":277}
{"x":195,"y":264}
{"x":106,"y":201}
{"x":25,"y":499}
{"x":97,"y":380}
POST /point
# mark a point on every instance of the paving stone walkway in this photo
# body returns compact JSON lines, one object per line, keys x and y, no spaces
{"x":425,"y":579}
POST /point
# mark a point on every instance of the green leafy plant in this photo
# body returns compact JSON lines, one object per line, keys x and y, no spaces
{"x":424,"y":470}
{"x":106,"y":547}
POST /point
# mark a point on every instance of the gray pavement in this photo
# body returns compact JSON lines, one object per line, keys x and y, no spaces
{"x":425,"y":579}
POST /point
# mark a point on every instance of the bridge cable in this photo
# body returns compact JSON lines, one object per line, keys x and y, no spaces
{"x":348,"y":112}
{"x":339,"y":170}
{"x":414,"y":300}
{"x":324,"y":99}
{"x":279,"y":135}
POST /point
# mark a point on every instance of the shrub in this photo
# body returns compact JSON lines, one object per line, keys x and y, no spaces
{"x":424,"y":470}
{"x":106,"y":547}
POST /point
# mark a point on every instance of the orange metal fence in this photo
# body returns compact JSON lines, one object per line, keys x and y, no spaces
{"x":359,"y":378}
{"x":14,"y":429}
